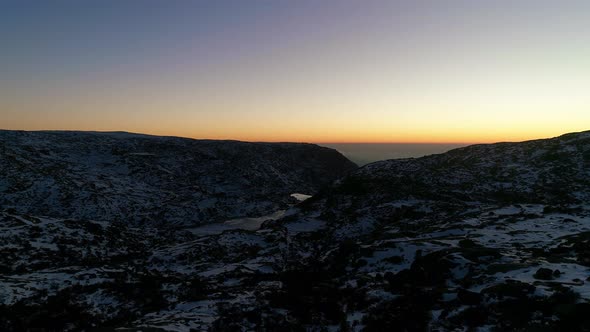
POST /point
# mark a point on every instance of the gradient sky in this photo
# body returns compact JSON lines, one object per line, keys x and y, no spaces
{"x":318,"y":71}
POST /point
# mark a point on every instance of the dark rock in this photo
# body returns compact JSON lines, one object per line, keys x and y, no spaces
{"x":544,"y":274}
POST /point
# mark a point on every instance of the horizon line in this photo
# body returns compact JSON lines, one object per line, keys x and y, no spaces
{"x":287,"y":141}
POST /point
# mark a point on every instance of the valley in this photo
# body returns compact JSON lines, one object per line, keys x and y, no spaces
{"x":487,"y":237}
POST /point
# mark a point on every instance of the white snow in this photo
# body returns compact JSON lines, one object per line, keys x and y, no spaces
{"x":300,"y":197}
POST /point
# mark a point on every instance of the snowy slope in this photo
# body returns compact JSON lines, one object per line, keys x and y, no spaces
{"x":483,"y":238}
{"x":156,"y":180}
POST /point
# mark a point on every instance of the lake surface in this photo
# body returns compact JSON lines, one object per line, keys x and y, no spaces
{"x":364,"y":153}
{"x":250,"y":224}
{"x":246,"y":223}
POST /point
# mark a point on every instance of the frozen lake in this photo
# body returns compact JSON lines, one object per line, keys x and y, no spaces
{"x":250,"y":224}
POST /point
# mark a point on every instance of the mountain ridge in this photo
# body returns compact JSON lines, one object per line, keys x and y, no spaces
{"x":60,"y":174}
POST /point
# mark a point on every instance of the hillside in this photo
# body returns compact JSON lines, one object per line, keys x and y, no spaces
{"x":156,"y":180}
{"x":487,"y":236}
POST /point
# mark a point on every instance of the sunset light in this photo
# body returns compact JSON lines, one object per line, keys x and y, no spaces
{"x":313,"y":71}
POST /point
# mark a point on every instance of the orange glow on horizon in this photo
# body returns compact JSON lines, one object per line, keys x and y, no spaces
{"x":424,"y":136}
{"x":356,"y":72}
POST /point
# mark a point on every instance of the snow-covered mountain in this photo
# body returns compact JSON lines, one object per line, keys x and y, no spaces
{"x":164,"y":180}
{"x":482,"y":238}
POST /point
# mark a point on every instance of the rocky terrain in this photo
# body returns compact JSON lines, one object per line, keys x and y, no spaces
{"x":144,"y":179}
{"x":483,"y":238}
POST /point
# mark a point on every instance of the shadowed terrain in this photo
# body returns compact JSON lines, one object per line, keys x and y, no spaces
{"x":488,"y":237}
{"x":144,"y":179}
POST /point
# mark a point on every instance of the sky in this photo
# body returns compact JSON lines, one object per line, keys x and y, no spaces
{"x":438,"y":71}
